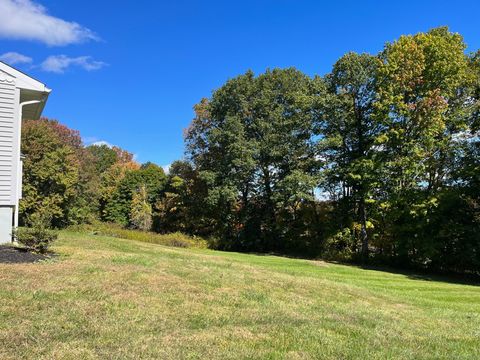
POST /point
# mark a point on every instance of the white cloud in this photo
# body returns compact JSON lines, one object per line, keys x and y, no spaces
{"x":13,"y":58}
{"x":166,"y":168}
{"x":92,"y":141}
{"x":59,"y":63}
{"x":26,"y":19}
{"x":102,"y":142}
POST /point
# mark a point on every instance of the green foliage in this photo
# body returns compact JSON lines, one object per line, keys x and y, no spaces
{"x":36,"y":239}
{"x":112,"y":207}
{"x":52,"y":167}
{"x":251,"y":143}
{"x":141,"y":210}
{"x":425,"y":104}
{"x":105,"y":157}
{"x":423,"y":94}
{"x":390,"y":140}
{"x":349,"y":128}
{"x":38,"y":236}
{"x":125,"y":182}
{"x":341,"y":246}
{"x":181,"y":206}
{"x":171,"y":206}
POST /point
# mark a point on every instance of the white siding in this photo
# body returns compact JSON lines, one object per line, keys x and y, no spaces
{"x":8,"y":139}
{"x":14,"y":87}
{"x":5,"y":225}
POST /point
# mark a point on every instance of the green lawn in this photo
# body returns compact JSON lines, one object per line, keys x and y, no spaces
{"x":108,"y":298}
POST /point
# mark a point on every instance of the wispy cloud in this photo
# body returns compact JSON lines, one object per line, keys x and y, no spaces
{"x":102,"y":142}
{"x":28,"y":20}
{"x":13,"y":58}
{"x":60,"y":63}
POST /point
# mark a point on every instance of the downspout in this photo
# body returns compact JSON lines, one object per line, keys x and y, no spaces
{"x":19,"y":168}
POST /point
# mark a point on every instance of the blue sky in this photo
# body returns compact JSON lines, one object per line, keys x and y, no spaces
{"x":129,"y":72}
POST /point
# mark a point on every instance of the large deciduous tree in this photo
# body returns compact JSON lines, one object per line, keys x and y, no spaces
{"x":51,"y":173}
{"x":348,"y":130}
{"x":424,"y":100}
{"x":252,"y":144}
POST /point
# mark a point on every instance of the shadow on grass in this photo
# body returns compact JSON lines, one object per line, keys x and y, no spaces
{"x":425,"y":275}
{"x":411,"y":273}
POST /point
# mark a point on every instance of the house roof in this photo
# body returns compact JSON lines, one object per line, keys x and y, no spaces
{"x":30,"y":89}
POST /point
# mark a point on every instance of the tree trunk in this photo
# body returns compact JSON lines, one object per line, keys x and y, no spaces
{"x":270,"y":212}
{"x":361,"y":190}
{"x":363,"y":230}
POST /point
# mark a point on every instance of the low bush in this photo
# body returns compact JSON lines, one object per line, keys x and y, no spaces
{"x":36,"y":238}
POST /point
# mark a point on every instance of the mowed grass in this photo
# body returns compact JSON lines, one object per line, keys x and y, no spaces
{"x":109,"y":298}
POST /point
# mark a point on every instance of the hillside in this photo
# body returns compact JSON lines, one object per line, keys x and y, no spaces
{"x":111,"y":298}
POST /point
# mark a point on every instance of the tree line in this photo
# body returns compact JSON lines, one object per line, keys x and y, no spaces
{"x":376,"y":161}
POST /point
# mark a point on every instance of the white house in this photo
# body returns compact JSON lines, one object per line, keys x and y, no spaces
{"x":21,"y":97}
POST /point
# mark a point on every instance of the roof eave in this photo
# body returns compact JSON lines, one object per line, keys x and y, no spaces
{"x":23,"y":80}
{"x":42,"y":104}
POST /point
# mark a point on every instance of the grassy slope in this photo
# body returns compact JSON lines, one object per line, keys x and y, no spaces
{"x":112,"y":298}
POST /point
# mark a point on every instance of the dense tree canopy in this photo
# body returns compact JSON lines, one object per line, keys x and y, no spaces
{"x":252,"y":145}
{"x":386,"y":143}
